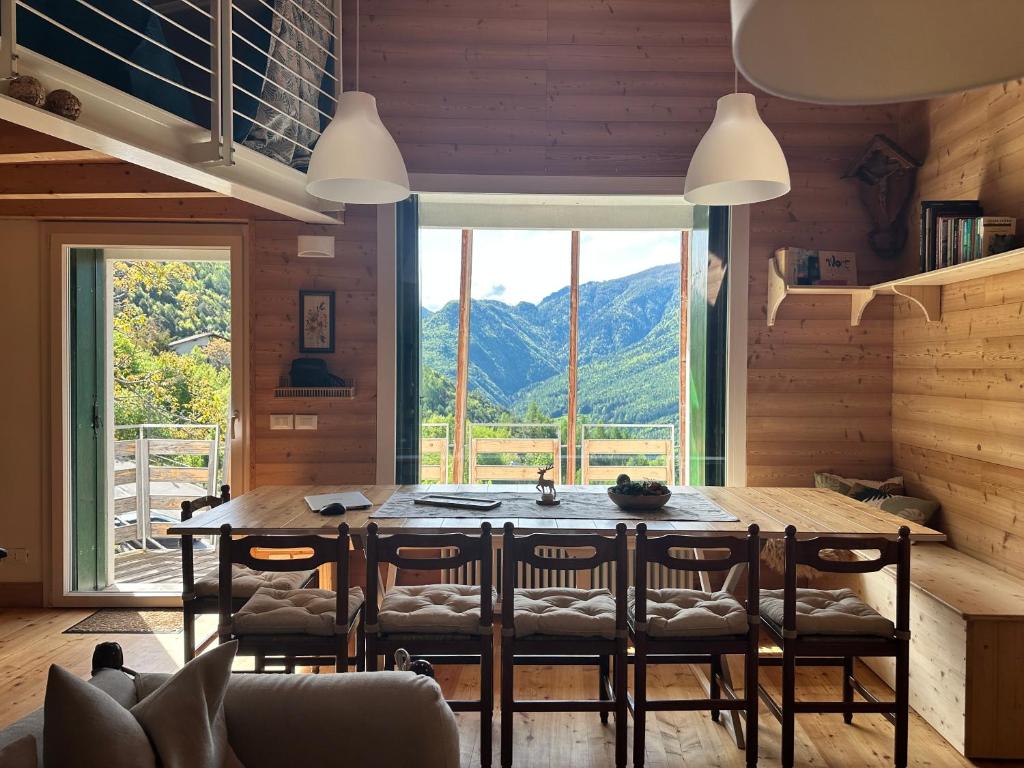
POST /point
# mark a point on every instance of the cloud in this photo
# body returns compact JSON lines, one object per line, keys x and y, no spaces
{"x":496,"y":292}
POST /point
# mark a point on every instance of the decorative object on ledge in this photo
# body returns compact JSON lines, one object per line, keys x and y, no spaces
{"x":316,"y":328}
{"x":546,"y":488}
{"x":64,"y":103}
{"x":28,"y":89}
{"x":886,"y":174}
{"x":876,"y":51}
{"x":924,"y":290}
{"x":337,"y":393}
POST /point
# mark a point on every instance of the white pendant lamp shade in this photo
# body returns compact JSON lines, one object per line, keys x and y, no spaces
{"x":876,"y":51}
{"x":356,"y":160}
{"x":739,"y":161}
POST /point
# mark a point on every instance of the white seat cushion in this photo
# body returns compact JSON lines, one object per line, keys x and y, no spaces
{"x":245,"y":581}
{"x":691,"y":613}
{"x":293,"y":612}
{"x":565,"y":612}
{"x":827,"y":612}
{"x":432,"y":609}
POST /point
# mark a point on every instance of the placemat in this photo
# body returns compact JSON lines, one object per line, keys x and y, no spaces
{"x":688,"y":505}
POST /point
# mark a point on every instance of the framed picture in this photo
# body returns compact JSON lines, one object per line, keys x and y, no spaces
{"x":316,"y":329}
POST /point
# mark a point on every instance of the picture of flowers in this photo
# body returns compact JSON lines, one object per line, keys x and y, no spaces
{"x":316,"y":331}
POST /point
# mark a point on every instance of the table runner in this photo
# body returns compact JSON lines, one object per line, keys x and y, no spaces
{"x":689,"y":506}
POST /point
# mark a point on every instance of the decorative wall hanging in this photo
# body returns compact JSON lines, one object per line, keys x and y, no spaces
{"x":316,"y":321}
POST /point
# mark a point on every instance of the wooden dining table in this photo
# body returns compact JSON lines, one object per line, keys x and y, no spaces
{"x":282,"y":510}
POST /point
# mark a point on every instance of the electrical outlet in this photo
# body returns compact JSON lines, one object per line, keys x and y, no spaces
{"x":17,"y":555}
{"x":305,"y":421}
{"x":282,"y":421}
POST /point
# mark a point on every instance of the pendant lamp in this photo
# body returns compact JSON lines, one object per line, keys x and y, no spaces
{"x":738,"y":161}
{"x":356,"y":160}
{"x":876,"y":51}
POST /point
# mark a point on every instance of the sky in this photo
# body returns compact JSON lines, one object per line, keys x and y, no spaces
{"x":527,"y":265}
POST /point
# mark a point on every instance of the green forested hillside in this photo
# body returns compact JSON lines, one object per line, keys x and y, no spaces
{"x":628,"y":351}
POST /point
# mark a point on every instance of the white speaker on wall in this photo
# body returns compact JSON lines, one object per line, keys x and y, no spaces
{"x":316,"y":247}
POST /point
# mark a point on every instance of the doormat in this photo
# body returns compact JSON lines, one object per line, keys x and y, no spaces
{"x":126,"y":621}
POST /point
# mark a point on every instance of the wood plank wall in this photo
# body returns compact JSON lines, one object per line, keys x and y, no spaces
{"x":343,"y":449}
{"x":958,"y":385}
{"x":628,"y":87}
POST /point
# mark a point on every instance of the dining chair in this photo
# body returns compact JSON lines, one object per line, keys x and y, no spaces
{"x":561,"y":625}
{"x":200,"y":597}
{"x":687,"y":626}
{"x":442,"y":623}
{"x":306,"y":626}
{"x":832,"y":627}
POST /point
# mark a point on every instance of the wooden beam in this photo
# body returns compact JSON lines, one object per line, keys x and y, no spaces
{"x":84,"y":181}
{"x":56,"y":156}
{"x":574,"y":312}
{"x":462,"y":364}
{"x":151,"y":208}
{"x":684,"y":268}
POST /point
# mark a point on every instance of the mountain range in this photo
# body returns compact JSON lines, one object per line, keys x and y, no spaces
{"x":519,"y":354}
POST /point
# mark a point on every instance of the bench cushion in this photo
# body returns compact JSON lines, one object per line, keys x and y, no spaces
{"x":432,"y":608}
{"x":245,"y":581}
{"x":691,"y":613}
{"x":827,"y":612}
{"x":293,"y":612}
{"x":559,"y":612}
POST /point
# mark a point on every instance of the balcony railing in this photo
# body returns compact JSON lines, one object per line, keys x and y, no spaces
{"x":262,"y":73}
{"x":156,"y":467}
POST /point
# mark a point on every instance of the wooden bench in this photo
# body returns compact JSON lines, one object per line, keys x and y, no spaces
{"x":966,"y":648}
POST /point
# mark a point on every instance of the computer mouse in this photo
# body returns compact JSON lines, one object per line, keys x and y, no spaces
{"x":333,"y":509}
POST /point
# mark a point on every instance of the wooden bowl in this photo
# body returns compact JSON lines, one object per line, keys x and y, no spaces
{"x":631,"y":503}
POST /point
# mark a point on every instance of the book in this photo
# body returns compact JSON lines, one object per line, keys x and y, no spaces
{"x":803,"y":266}
{"x":932,"y":230}
{"x":994,"y":234}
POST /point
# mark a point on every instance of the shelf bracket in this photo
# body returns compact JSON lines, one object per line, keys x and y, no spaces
{"x":776,"y":291}
{"x":859,"y":301}
{"x":927,"y":297}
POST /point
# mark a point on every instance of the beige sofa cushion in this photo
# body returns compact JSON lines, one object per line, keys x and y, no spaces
{"x":184,"y":717}
{"x":86,"y":728}
{"x":293,"y":612}
{"x":432,"y":609}
{"x":564,"y":612}
{"x":691,"y":613}
{"x":245,"y":581}
{"x":827,"y":612}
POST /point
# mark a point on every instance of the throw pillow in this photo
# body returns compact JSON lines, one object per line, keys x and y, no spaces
{"x":845,"y":485}
{"x":184,"y":717}
{"x":915,"y":510}
{"x":20,"y":753}
{"x":84,"y":727}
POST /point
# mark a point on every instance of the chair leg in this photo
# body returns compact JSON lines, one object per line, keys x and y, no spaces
{"x":639,"y":702}
{"x":190,"y":633}
{"x":788,"y":699}
{"x":715,"y":690}
{"x":621,"y":706}
{"x":486,"y":700}
{"x":847,"y":687}
{"x":603,"y":674}
{"x":289,"y":665}
{"x":507,"y":700}
{"x":902,"y":705}
{"x":750,"y":683}
{"x":260,"y":663}
{"x":372,"y":658}
{"x":361,"y":641}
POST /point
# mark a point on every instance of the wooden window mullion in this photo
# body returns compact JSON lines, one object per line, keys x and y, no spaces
{"x":462,"y":362}
{"x":574,"y":311}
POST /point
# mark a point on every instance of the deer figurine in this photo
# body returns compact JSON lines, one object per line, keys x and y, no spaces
{"x":545,"y":486}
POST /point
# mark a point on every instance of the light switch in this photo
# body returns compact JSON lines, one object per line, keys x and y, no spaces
{"x":282,"y":421}
{"x":305,"y":421}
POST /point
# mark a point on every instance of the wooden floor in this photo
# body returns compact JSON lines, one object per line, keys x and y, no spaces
{"x":31,"y":640}
{"x":145,"y":571}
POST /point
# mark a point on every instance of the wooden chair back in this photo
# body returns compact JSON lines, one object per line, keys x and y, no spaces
{"x":188,"y":508}
{"x":249,"y":551}
{"x":739,"y":550}
{"x":663,"y":449}
{"x":538,"y":446}
{"x":524,"y":549}
{"x":808,"y":552}
{"x":467,"y":549}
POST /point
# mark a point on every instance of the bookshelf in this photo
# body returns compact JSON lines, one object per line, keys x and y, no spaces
{"x":924,"y":290}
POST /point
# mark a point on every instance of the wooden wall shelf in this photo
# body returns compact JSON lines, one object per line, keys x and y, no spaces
{"x":924,"y":290}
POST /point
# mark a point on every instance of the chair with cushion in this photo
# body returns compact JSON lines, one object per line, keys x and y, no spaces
{"x":816,"y":627}
{"x":304,"y":626}
{"x":561,"y":625}
{"x":200,"y":596}
{"x":444,"y":623}
{"x":686,"y":626}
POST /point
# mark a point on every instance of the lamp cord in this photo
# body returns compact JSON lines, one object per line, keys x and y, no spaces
{"x":357,"y":44}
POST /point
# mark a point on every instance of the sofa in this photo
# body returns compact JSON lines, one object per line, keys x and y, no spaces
{"x":351,"y":720}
